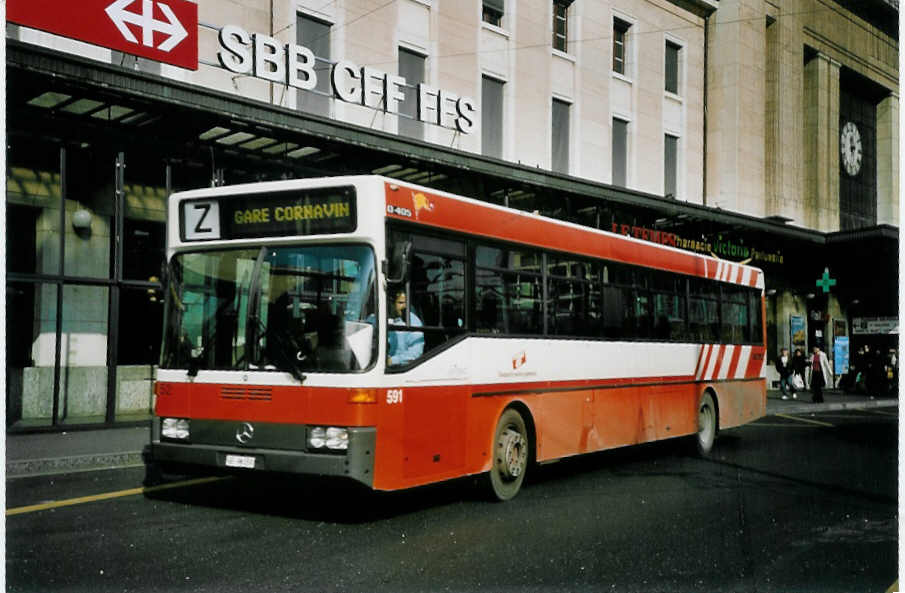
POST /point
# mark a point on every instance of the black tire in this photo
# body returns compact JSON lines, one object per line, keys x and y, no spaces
{"x":511,"y":453}
{"x":708,"y":425}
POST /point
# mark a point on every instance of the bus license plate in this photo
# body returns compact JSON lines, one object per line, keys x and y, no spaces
{"x":240,"y":461}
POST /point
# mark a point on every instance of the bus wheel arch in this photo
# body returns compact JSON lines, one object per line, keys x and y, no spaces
{"x":708,"y":422}
{"x":512,"y":452}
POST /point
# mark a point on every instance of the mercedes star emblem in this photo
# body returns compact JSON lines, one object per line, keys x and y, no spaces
{"x":244,"y":432}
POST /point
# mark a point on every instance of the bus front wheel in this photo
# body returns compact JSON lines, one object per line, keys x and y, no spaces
{"x":510,"y":455}
{"x":707,"y":424}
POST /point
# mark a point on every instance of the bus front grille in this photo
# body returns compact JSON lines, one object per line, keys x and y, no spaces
{"x":246,"y":393}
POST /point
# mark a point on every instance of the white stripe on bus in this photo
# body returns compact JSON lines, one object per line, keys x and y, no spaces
{"x":743,"y":362}
{"x":713,"y":356}
{"x":705,"y":352}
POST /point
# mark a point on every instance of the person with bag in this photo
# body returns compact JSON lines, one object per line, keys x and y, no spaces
{"x":784,"y":368}
{"x":820,"y":375}
{"x":799,"y":364}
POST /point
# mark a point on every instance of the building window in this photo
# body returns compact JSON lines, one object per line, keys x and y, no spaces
{"x":493,"y":12}
{"x":560,"y":25}
{"x":620,"y":47}
{"x":315,"y":35}
{"x":672,"y":67}
{"x":411,"y":68}
{"x":560,"y":147}
{"x":620,"y":152}
{"x":670,"y":165}
{"x":491,"y":117}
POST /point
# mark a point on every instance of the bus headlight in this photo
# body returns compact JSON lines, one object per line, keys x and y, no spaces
{"x":337,"y":438}
{"x":317,"y":438}
{"x":175,"y":428}
{"x":328,"y":437}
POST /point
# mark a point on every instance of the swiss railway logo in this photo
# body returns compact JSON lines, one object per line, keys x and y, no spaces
{"x":171,"y":28}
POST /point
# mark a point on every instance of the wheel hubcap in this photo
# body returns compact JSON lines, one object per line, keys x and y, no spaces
{"x":513,"y":454}
{"x":705,"y":424}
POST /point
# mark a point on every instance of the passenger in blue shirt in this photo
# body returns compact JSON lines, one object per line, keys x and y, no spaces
{"x":404,"y":346}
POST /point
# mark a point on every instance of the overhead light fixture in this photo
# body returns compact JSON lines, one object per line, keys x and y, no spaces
{"x":235,"y":138}
{"x":303,"y":152}
{"x":82,"y":106}
{"x":49,"y":100}
{"x":81,"y":220}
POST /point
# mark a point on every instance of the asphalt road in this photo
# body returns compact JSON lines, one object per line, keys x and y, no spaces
{"x":804,"y":503}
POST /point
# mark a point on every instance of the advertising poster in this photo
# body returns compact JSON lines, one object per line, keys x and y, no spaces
{"x":798,"y":331}
{"x":840,"y":355}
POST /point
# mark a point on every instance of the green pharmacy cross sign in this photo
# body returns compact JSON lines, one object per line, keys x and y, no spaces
{"x":825,"y":281}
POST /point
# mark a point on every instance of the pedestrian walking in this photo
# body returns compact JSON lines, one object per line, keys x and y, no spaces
{"x":820,"y":374}
{"x":784,"y":368}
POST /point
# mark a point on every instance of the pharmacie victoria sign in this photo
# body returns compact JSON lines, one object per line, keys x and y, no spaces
{"x":724,"y":248}
{"x":293,"y":65}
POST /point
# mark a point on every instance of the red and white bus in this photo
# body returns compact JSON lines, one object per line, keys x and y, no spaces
{"x":396,"y":335}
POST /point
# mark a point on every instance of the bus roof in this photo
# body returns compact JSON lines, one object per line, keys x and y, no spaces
{"x":435,"y":208}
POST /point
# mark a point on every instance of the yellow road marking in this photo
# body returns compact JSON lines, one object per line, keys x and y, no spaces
{"x":893,"y":588}
{"x":882,"y":412}
{"x":807,"y":420}
{"x":781,"y":425}
{"x":108,"y":495}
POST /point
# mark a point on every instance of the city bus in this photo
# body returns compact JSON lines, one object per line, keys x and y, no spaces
{"x":396,"y":335}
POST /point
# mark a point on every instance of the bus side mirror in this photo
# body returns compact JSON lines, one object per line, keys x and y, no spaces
{"x":398,"y":266}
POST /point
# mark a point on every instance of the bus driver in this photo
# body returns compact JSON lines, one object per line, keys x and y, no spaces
{"x":404,"y":346}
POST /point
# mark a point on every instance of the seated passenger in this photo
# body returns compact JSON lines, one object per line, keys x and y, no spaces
{"x":404,"y":346}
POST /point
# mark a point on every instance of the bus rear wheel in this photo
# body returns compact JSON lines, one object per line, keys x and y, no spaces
{"x":510,"y":455}
{"x":707,"y":424}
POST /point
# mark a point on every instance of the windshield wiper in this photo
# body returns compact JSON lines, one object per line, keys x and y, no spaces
{"x":287,"y":352}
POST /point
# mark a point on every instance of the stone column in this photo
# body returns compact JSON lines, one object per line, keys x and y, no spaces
{"x":784,"y":119}
{"x":821,"y":143}
{"x":736,"y":104}
{"x":887,"y":160}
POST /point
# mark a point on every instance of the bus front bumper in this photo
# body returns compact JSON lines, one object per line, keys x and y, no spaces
{"x":356,"y":463}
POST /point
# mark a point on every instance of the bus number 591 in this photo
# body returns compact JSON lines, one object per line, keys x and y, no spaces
{"x":394,"y":396}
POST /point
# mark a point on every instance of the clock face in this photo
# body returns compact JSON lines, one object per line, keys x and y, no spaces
{"x":850,"y":147}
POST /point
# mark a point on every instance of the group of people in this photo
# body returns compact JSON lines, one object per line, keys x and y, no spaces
{"x":798,"y":371}
{"x":868,"y":373}
{"x":872,"y":371}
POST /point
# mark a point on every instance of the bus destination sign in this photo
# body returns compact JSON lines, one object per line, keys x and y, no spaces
{"x":271,"y":214}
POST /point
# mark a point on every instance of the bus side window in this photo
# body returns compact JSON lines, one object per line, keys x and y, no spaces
{"x":435,"y":287}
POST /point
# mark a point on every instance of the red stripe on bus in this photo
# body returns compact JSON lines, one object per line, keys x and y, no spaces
{"x":733,"y":363}
{"x":426,"y":208}
{"x":719,"y":361}
{"x":703,"y":357}
{"x":755,"y":362}
{"x":710,"y":350}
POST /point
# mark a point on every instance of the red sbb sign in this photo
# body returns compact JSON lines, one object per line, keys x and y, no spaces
{"x":161,"y":30}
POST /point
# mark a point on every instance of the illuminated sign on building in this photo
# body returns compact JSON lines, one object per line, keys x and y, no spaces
{"x":293,"y":65}
{"x":722,"y":248}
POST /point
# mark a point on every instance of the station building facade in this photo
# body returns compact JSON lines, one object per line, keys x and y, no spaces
{"x":709,"y":125}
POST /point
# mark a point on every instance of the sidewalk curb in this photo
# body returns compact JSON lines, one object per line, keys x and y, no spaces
{"x":804,"y":407}
{"x":77,"y":463}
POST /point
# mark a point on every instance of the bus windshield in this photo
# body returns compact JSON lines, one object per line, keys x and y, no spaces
{"x":293,"y":309}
